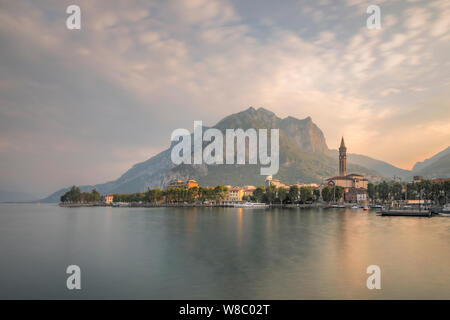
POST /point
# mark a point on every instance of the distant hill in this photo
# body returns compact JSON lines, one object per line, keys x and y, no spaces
{"x":438,"y":168}
{"x":383,"y":168}
{"x":304,"y":157}
{"x":427,"y":162}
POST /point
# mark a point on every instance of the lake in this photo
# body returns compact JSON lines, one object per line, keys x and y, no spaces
{"x":220,"y":253}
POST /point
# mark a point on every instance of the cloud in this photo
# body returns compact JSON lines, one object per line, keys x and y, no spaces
{"x":416,"y":17}
{"x":137,"y":70}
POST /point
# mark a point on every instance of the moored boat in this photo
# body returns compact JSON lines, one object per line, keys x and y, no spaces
{"x":250,"y":205}
{"x":446,"y":208}
{"x":406,"y":212}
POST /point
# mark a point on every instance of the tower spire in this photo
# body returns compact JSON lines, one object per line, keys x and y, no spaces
{"x":342,"y":142}
{"x":342,"y":158}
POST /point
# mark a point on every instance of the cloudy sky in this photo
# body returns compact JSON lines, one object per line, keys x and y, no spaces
{"x":82,"y":106}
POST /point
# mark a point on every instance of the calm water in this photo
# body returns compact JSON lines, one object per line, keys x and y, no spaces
{"x":216,"y":253}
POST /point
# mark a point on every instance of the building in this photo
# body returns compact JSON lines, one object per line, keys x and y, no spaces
{"x":440,"y":180}
{"x":178,"y":183}
{"x":353,"y":180}
{"x":308,"y":185}
{"x":356,"y":195}
{"x":191,"y":183}
{"x":248,"y":190}
{"x":109,"y":198}
{"x":235,"y":194}
{"x":355,"y":184}
{"x":274,"y":182}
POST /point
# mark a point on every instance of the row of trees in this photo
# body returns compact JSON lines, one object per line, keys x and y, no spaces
{"x":437,"y":192}
{"x":129,"y":197}
{"x":202,"y":194}
{"x":217,"y":194}
{"x":174,"y":195}
{"x":74,"y":195}
{"x":294,"y":194}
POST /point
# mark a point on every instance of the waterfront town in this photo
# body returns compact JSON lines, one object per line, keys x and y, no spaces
{"x":343,"y":189}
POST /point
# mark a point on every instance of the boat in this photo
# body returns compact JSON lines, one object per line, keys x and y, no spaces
{"x":354,"y":207}
{"x":406,"y":212}
{"x":366,"y":208}
{"x":337,"y":206}
{"x":446,"y":208}
{"x":250,"y":205}
{"x":376,"y":206}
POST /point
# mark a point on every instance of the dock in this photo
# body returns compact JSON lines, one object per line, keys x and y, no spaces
{"x":406,"y":213}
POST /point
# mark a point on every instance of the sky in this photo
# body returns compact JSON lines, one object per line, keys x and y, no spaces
{"x":82,"y":106}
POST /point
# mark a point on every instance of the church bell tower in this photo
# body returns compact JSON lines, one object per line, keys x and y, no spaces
{"x":342,"y":159}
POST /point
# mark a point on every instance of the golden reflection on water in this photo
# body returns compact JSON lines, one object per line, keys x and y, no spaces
{"x":190,"y":220}
{"x":392,"y":243}
{"x":239,"y":224}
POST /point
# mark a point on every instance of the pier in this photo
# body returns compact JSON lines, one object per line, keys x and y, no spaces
{"x":406,"y":213}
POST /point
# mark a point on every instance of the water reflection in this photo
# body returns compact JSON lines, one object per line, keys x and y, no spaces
{"x":239,"y":226}
{"x":220,"y":253}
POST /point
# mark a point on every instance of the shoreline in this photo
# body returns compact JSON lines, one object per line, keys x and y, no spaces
{"x":190,"y":205}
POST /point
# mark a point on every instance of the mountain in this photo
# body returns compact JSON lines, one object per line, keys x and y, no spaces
{"x":437,"y":168}
{"x":383,"y":168}
{"x":304,"y":157}
{"x":427,"y":162}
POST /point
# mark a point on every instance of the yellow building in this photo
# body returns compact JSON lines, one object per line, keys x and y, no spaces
{"x":109,"y":198}
{"x":178,"y":183}
{"x":248,"y":190}
{"x":234,"y":195}
{"x":191,"y":183}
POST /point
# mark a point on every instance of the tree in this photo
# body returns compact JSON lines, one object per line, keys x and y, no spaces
{"x":153,"y":195}
{"x":194,"y":193}
{"x":316,"y":194}
{"x":340,"y":191}
{"x":425,"y":188}
{"x":383,"y":191}
{"x":327,"y":194}
{"x":396,"y":190}
{"x":411,"y":191}
{"x":95,"y":195}
{"x":73,"y":195}
{"x":271,"y":193}
{"x":282,"y":194}
{"x":220,"y":193}
{"x":258,"y":193}
{"x":446,"y":188}
{"x":371,"y":191}
{"x":305,"y":194}
{"x":294,"y":193}
{"x":202,"y":194}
